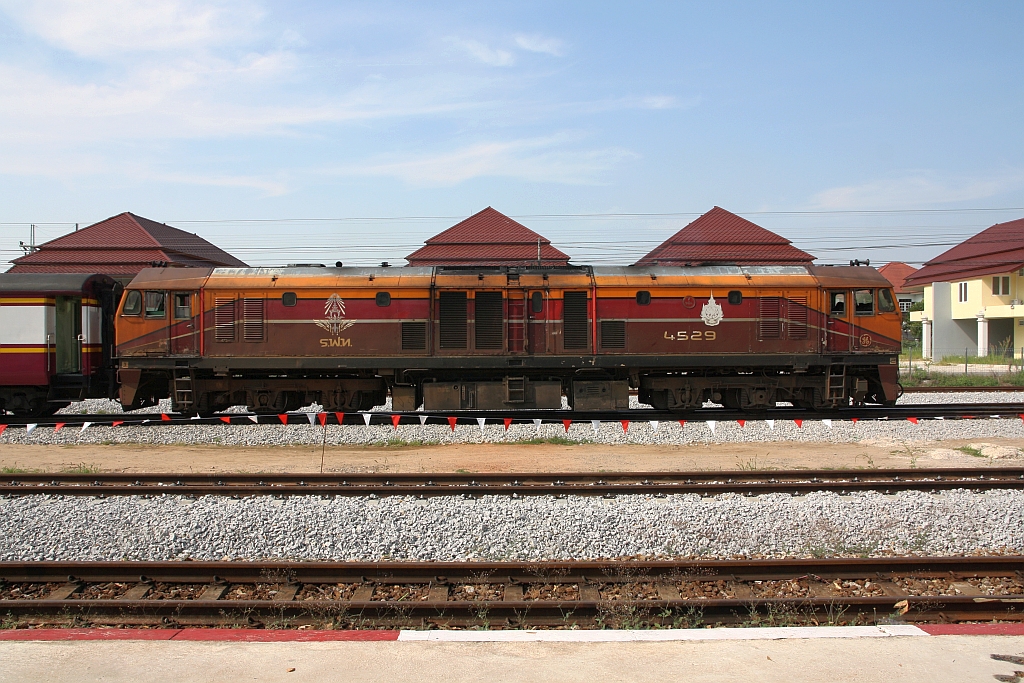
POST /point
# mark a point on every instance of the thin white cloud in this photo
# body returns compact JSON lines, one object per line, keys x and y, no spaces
{"x":536,"y":160}
{"x":542,"y":44}
{"x":915,"y":190}
{"x":485,"y":54}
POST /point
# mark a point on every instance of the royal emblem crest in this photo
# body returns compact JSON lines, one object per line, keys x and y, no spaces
{"x":711,"y":313}
{"x":334,"y":314}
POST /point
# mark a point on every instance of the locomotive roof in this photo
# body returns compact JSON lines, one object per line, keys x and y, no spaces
{"x":52,"y":283}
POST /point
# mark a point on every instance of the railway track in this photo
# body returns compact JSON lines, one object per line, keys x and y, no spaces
{"x":794,"y":482}
{"x":473,"y":417}
{"x":513,"y":595}
{"x":959,"y":390}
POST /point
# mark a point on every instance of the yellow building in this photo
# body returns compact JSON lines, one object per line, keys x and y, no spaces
{"x":973,"y":296}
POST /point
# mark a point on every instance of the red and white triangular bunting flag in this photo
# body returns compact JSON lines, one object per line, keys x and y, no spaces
{"x":117,"y":423}
{"x":30,"y":428}
{"x":480,"y":421}
{"x":322,"y":419}
{"x":854,"y":420}
{"x":912,"y":420}
{"x":283,"y":417}
{"x":423,"y":420}
{"x":57,"y":427}
{"x":625,"y":426}
{"x":712,"y":424}
{"x":85,"y":425}
{"x":366,"y":418}
{"x":311,"y":417}
{"x":682,"y":423}
{"x":566,"y":424}
{"x":452,"y":421}
{"x":654,"y":424}
{"x":799,"y":423}
{"x":1022,"y":417}
{"x":194,"y":417}
{"x":395,"y":420}
{"x":508,"y":423}
{"x":771,"y":424}
{"x":596,"y":424}
{"x":254,"y":418}
{"x":741,"y":423}
{"x":165,"y":417}
{"x":536,"y":423}
{"x":2,"y":428}
{"x":827,"y":423}
{"x":225,"y":419}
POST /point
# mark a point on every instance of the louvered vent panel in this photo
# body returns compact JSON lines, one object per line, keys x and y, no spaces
{"x":452,"y":313}
{"x":797,"y":317}
{"x":613,"y":334}
{"x":224,"y":319}
{"x":770,"y":325}
{"x":414,"y":336}
{"x":574,"y":321}
{"x":252,"y":320}
{"x":489,"y":320}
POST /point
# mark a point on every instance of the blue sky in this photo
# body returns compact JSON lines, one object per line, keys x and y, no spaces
{"x":808,"y":118}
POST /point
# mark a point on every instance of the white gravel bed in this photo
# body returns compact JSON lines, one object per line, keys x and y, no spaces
{"x":501,"y":528}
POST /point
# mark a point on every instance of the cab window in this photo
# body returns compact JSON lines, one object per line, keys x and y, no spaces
{"x":182,"y":305}
{"x":864,"y":300}
{"x":885,"y":302}
{"x":132,"y":303}
{"x":837,"y":305}
{"x":156,"y":305}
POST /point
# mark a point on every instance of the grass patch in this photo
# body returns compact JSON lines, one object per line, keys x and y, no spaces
{"x":975,"y":360}
{"x":81,"y":468}
{"x":555,"y":440}
{"x":923,"y":378}
{"x":971,"y":450}
{"x":13,"y":469}
{"x":402,"y":443}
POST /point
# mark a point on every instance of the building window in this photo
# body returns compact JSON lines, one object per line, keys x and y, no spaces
{"x":962,"y":292}
{"x":904,"y":305}
{"x":1001,"y":286}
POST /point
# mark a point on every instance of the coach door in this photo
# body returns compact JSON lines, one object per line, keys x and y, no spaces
{"x":68,"y":335}
{"x":537,"y":322}
{"x":837,"y":324}
{"x":516,"y":333}
{"x":183,"y":329}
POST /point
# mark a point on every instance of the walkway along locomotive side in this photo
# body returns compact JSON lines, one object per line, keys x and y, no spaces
{"x":501,"y":338}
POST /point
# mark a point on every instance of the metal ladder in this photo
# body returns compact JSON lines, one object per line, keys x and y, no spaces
{"x":515,"y":390}
{"x":183,"y":396}
{"x":835,"y":386}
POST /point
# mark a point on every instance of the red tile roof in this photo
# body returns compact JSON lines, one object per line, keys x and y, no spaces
{"x":487,"y":238}
{"x":999,"y":249}
{"x":897,"y":273}
{"x":121,"y":245}
{"x":721,"y":236}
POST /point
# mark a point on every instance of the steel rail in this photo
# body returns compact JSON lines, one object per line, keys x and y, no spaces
{"x":471,"y":417}
{"x":607,"y":484}
{"x":961,"y":390}
{"x":516,"y":594}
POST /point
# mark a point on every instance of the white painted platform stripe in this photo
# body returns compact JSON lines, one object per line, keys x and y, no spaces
{"x":655,"y":635}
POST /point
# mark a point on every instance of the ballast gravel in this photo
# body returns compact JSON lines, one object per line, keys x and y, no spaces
{"x":173,"y":527}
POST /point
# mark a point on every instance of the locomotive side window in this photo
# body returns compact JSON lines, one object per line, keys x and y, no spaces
{"x":837,"y":305}
{"x":864,"y":300}
{"x":885,"y":302}
{"x":537,"y":302}
{"x":289,"y":299}
{"x":156,"y":305}
{"x":643,"y":298}
{"x":182,"y":305}
{"x":132,"y":303}
{"x":383,"y":299}
{"x":735,"y":298}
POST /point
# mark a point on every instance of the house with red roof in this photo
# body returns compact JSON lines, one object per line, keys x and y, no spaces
{"x":120,"y":247}
{"x":972,"y":295}
{"x":488,"y":238}
{"x":722,"y":237}
{"x":897,"y":273}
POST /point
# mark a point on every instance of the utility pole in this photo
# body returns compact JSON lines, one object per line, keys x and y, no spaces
{"x":31,"y":246}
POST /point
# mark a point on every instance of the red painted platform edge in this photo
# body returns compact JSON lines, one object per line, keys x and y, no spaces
{"x":196,"y":634}
{"x":1004,"y":629}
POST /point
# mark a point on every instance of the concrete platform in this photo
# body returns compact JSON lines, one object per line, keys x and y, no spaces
{"x":782,"y":658}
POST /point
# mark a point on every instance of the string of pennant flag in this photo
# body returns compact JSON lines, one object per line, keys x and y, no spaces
{"x":396,"y":419}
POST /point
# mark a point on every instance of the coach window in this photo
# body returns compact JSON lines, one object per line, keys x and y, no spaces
{"x":838,"y":304}
{"x":132,"y":303}
{"x":885,"y":302}
{"x":864,"y":300}
{"x":643,"y":298}
{"x":383,"y":299}
{"x":537,"y":302}
{"x":288,"y":299}
{"x":735,"y":298}
{"x":155,"y":304}
{"x":182,"y":305}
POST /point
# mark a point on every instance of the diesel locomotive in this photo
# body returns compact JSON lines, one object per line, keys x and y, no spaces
{"x":507,"y":338}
